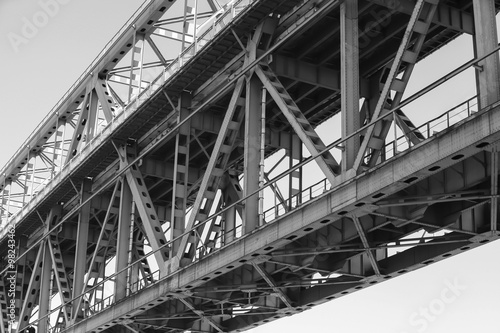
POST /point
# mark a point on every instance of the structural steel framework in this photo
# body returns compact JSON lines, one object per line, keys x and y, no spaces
{"x":182,"y":184}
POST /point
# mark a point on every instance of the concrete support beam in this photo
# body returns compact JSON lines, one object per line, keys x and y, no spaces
{"x":349,"y":63}
{"x":485,"y":40}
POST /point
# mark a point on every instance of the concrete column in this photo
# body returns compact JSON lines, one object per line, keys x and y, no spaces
{"x":349,"y":71}
{"x":252,"y":153}
{"x":485,"y":40}
{"x":123,"y":240}
{"x":82,"y":242}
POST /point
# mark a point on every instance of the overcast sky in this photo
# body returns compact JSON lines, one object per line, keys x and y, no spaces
{"x":459,"y":294}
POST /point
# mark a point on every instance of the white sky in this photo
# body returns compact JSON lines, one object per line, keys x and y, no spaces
{"x":38,"y":74}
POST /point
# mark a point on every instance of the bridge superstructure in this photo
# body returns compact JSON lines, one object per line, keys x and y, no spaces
{"x":181,"y":184}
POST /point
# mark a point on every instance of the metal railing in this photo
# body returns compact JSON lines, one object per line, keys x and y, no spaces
{"x":142,"y":283}
{"x":296,"y":200}
{"x":433,"y":126}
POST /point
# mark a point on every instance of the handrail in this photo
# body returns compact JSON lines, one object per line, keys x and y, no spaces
{"x":436,"y":125}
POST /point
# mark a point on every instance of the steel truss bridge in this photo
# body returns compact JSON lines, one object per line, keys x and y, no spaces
{"x":181,"y":184}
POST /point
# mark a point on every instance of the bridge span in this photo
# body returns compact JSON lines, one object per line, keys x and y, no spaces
{"x":224,"y":164}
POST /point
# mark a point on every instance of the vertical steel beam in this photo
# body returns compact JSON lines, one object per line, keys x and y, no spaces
{"x":231,"y":192}
{"x":80,"y":126}
{"x":54,"y":148}
{"x":9,"y":194}
{"x":45,"y":284}
{"x":185,"y":25}
{"x":295,"y":178}
{"x":81,"y":243}
{"x":252,"y":145}
{"x":137,"y":245}
{"x":195,"y":37}
{"x":262,"y":150}
{"x":92,"y":119}
{"x":105,"y":98}
{"x":485,"y":40}
{"x":181,"y":172}
{"x":4,"y":320}
{"x":61,"y":147}
{"x":349,"y":73}
{"x":229,"y":220}
{"x":137,"y":60}
{"x":2,"y":209}
{"x":494,"y":189}
{"x":123,"y":241}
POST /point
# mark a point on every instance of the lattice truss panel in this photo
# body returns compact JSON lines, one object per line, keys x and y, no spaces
{"x":155,"y":49}
{"x":186,"y":183}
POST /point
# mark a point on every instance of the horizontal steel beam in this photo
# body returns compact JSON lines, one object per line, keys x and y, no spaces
{"x":312,"y":74}
{"x":446,"y":16}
